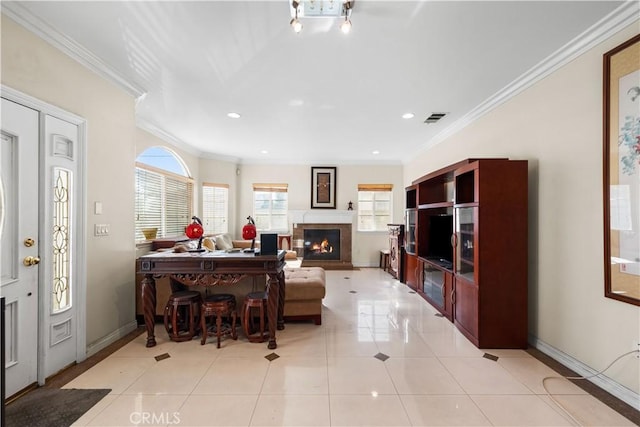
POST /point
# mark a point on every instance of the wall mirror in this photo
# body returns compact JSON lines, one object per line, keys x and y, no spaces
{"x":621,"y":168}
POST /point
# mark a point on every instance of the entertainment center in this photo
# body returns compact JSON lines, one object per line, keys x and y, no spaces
{"x":466,"y":247}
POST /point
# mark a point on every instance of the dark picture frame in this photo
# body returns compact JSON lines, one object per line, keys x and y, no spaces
{"x":621,"y":171}
{"x":323,"y":187}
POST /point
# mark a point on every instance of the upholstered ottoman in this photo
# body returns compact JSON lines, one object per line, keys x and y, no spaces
{"x":304,"y":290}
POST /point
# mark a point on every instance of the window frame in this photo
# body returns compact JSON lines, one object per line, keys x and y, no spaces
{"x":166,"y":226}
{"x":387,"y":189}
{"x":205,"y":218}
{"x":273,"y":189}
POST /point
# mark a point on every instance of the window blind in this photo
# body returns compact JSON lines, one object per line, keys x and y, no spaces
{"x":215,"y":208}
{"x":375,"y":187}
{"x":270,"y":207}
{"x":374,"y":206}
{"x":162,"y":200}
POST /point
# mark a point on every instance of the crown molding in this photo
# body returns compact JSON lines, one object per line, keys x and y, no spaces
{"x":167,"y":137}
{"x":42,"y":29}
{"x":621,"y":17}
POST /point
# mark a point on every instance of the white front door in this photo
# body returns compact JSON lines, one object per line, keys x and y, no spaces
{"x":19,"y":242}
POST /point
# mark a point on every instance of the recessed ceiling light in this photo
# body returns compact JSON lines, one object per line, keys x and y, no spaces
{"x":375,"y":152}
{"x":233,"y":115}
{"x":264,"y":152}
{"x":408,"y":116}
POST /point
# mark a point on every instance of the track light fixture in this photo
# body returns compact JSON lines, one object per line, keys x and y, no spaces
{"x":295,"y":23}
{"x":321,"y":9}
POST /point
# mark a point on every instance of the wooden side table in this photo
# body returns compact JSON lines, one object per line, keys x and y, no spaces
{"x":284,"y":242}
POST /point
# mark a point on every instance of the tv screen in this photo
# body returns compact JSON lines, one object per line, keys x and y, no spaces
{"x":439,"y":242}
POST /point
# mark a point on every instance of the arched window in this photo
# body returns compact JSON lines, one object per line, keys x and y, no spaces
{"x":164,"y":194}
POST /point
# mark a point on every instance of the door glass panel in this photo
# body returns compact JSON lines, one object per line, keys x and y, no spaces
{"x":61,"y":250}
{"x":465,"y":243}
{"x":410,"y":240}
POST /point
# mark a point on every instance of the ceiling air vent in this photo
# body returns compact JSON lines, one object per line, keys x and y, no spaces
{"x":434,"y":117}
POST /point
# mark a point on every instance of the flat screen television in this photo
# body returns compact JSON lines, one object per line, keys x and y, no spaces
{"x":439,"y":239}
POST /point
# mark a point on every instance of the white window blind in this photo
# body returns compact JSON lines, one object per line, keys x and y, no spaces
{"x":215,"y":208}
{"x":375,"y":202}
{"x":163,"y":200}
{"x":270,"y":206}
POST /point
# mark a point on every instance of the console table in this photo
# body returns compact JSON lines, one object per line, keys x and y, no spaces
{"x":213,"y":269}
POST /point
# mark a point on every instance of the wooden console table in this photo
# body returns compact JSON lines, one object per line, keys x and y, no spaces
{"x":212,"y":269}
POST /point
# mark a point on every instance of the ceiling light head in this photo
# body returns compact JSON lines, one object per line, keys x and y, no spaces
{"x":233,"y":115}
{"x":408,"y":116}
{"x":375,"y":152}
{"x":296,"y":25}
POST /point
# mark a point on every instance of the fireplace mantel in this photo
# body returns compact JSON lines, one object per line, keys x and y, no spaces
{"x":321,"y":216}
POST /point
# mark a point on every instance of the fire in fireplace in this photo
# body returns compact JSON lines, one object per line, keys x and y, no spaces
{"x":322,"y":244}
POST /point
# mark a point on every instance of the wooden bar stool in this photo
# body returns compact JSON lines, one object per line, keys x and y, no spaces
{"x":218,"y":306}
{"x":384,"y":259}
{"x":180,"y":315}
{"x":254,"y":300}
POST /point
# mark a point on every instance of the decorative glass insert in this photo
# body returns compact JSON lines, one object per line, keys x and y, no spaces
{"x":61,"y":250}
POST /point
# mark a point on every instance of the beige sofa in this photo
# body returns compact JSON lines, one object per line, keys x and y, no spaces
{"x":304,"y":291}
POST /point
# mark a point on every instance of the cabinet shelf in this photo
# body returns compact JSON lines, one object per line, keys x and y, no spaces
{"x":466,"y":205}
{"x":436,"y":205}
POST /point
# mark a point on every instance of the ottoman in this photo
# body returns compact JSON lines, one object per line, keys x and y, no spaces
{"x":304,"y":291}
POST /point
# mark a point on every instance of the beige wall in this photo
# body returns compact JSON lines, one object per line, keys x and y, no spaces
{"x":366,"y":245}
{"x":37,"y":69}
{"x":557,"y":125}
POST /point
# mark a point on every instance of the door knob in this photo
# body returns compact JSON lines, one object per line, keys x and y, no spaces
{"x":28,"y":242}
{"x":31,"y":260}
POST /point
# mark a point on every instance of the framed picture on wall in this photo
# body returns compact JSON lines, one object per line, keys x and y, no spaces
{"x":621,"y":167}
{"x":323,"y":187}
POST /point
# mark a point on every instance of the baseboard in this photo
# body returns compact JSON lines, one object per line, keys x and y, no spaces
{"x":607,"y":384}
{"x":114,"y":336}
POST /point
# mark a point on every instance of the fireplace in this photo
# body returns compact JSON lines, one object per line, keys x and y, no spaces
{"x":323,"y":245}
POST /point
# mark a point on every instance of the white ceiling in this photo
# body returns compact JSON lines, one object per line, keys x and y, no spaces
{"x":318,"y":97}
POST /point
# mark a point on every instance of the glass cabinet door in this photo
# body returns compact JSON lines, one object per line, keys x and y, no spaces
{"x":410,"y":227}
{"x":433,"y":284}
{"x":465,"y":242}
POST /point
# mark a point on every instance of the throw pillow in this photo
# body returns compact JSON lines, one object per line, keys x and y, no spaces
{"x":223,"y":242}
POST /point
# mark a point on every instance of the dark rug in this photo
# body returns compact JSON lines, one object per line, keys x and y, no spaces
{"x":52,"y":407}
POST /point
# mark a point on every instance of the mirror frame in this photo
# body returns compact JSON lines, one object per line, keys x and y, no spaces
{"x":610,"y":116}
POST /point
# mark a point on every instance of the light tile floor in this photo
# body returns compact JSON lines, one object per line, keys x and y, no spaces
{"x":328,"y":376}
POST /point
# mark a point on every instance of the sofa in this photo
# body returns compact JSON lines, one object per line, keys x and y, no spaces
{"x":305,"y":287}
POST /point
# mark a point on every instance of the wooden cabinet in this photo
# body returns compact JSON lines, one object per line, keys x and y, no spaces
{"x":471,"y":232}
{"x":437,"y":287}
{"x":396,"y":250}
{"x":411,"y":271}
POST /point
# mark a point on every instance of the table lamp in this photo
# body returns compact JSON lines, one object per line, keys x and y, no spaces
{"x":195,"y":231}
{"x":249,"y":232}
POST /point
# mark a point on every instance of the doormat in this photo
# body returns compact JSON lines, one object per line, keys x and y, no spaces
{"x":52,"y":407}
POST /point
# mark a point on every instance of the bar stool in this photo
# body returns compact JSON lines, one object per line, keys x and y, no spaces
{"x":254,"y":300}
{"x":384,"y":259}
{"x":218,"y":306}
{"x":181,"y":324}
